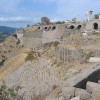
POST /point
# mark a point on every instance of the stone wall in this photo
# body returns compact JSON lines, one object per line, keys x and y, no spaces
{"x":46,"y":33}
{"x":32,"y":42}
{"x":52,"y":35}
{"x":69,"y":55}
{"x":90,"y":24}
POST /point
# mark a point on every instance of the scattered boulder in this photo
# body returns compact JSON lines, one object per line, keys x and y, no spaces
{"x":98,"y":81}
{"x":51,"y":98}
{"x":99,"y":77}
{"x":68,"y":92}
{"x":56,"y":93}
{"x":76,"y":98}
{"x":84,"y":95}
{"x":94,"y":59}
{"x":96,"y":94}
{"x":90,"y":86}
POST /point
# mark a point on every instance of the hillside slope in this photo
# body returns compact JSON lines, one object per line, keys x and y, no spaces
{"x":5,"y":32}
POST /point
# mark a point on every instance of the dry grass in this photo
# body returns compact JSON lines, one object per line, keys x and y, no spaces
{"x":31,"y":28}
{"x":13,"y":64}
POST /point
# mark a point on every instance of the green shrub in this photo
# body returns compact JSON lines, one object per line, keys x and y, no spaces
{"x":56,"y":43}
{"x":31,"y":56}
{"x":18,"y":42}
{"x":2,"y":62}
{"x":8,"y":93}
{"x":15,"y":35}
{"x":90,"y":54}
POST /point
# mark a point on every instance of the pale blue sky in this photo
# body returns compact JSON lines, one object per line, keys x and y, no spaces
{"x":19,"y":13}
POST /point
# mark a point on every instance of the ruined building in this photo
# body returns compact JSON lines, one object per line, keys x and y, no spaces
{"x":38,"y":35}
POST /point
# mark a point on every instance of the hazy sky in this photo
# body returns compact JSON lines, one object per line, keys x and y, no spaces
{"x":19,"y":13}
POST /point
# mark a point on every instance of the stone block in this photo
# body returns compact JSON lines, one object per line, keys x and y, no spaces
{"x":96,"y":94}
{"x":51,"y":98}
{"x":68,"y":92}
{"x":90,"y":86}
{"x":98,"y":81}
{"x":84,"y":95}
{"x":76,"y":98}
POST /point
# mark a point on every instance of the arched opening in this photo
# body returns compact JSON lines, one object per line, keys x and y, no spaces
{"x":38,"y":27}
{"x":54,"y":27}
{"x":45,"y":28}
{"x":79,"y":27}
{"x":95,"y":26}
{"x":71,"y":27}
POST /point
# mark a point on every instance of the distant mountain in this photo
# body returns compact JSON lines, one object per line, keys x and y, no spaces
{"x":7,"y":29}
{"x":5,"y":32}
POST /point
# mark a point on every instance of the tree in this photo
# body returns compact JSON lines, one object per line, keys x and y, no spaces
{"x":45,"y":20}
{"x":28,"y":25}
{"x":96,"y":16}
{"x":59,"y":22}
{"x":74,"y":19}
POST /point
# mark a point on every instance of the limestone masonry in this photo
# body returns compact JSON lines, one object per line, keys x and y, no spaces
{"x":76,"y":38}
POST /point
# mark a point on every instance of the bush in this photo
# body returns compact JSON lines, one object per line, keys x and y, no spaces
{"x":18,"y":42}
{"x":8,"y":93}
{"x":2,"y":62}
{"x":56,"y":43}
{"x":90,"y":54}
{"x":87,"y":56}
{"x":30,"y":56}
{"x":15,"y":35}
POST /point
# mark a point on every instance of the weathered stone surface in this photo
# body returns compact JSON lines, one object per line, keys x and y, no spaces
{"x":68,"y":92}
{"x":96,"y":94}
{"x":56,"y":93}
{"x":51,"y":98}
{"x":90,"y":86}
{"x":84,"y":95}
{"x":98,"y":81}
{"x":81,"y":76}
{"x":76,"y":98}
{"x":94,"y":59}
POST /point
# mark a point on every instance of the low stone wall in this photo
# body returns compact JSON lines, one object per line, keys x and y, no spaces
{"x":69,"y":55}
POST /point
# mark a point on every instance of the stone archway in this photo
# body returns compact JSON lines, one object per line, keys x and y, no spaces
{"x":79,"y":26}
{"x":95,"y":26}
{"x":71,"y":27}
{"x":54,"y":27}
